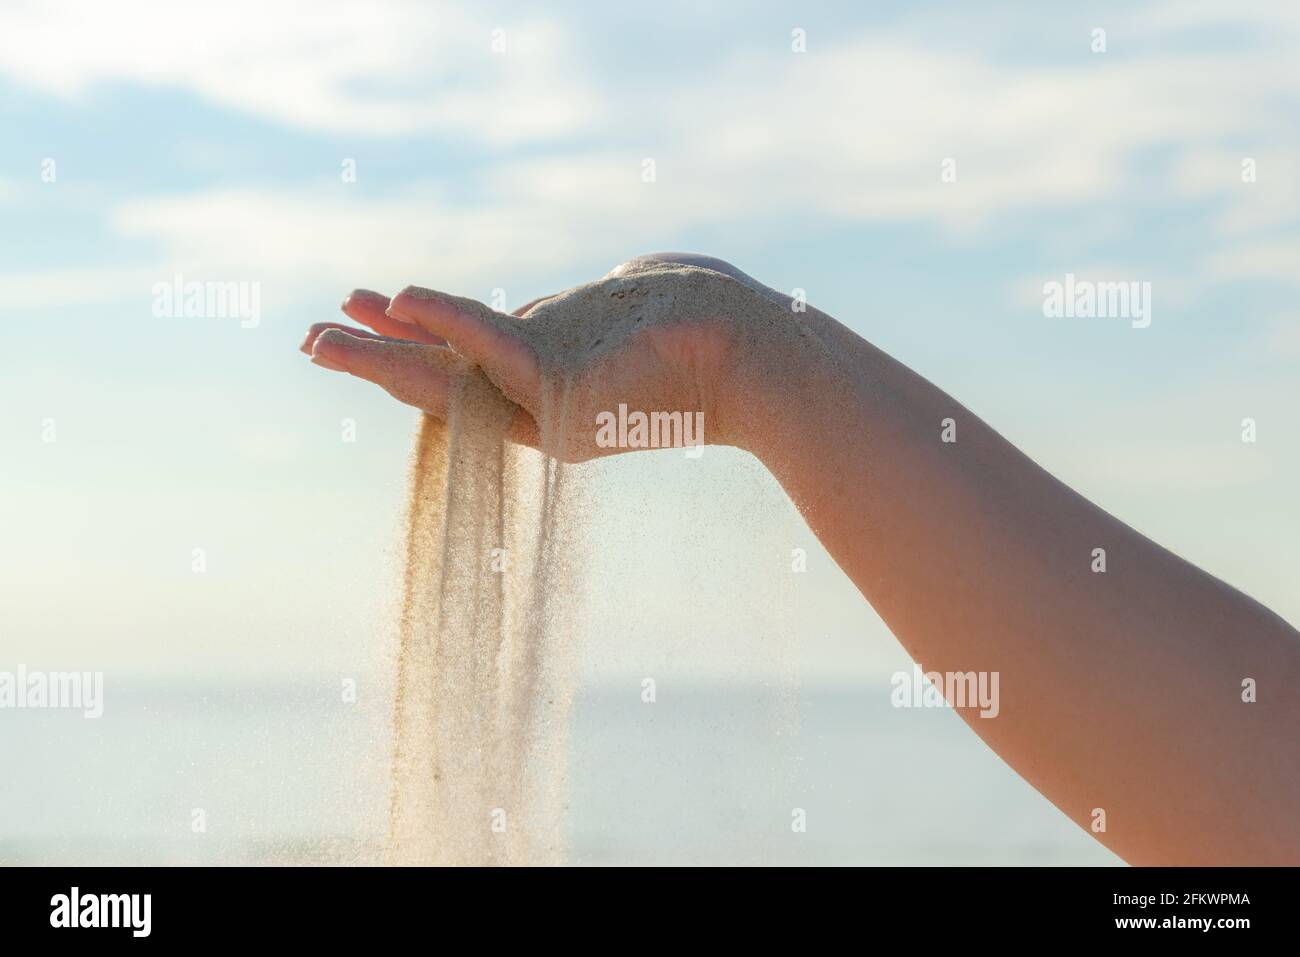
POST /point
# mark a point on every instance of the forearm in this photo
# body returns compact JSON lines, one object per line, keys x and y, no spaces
{"x":1119,"y":690}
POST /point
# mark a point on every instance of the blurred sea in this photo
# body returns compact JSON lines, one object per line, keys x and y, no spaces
{"x":705,"y":774}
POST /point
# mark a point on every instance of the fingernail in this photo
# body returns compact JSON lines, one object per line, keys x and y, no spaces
{"x":314,"y":332}
{"x":326,"y":364}
{"x":395,"y":312}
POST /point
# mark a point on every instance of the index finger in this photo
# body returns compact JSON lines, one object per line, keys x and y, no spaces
{"x":483,"y":336}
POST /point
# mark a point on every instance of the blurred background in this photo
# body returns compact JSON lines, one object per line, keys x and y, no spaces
{"x":190,"y":507}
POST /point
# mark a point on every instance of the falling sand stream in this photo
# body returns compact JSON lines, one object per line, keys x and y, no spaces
{"x":483,"y":685}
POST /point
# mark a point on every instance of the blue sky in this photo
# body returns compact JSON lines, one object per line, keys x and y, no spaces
{"x":211,"y":145}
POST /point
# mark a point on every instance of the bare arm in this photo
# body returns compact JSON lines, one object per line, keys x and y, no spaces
{"x":1120,"y":692}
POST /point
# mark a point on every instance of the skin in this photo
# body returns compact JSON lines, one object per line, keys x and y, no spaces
{"x":1119,"y":691}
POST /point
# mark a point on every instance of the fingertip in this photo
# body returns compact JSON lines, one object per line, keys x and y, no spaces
{"x":331,"y":343}
{"x":364,"y":296}
{"x":313,"y":333}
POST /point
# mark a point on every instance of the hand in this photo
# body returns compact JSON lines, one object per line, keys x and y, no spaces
{"x":658,"y":334}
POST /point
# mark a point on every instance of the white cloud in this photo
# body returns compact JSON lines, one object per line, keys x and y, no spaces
{"x":76,"y":286}
{"x":855,"y":130}
{"x":1278,"y":19}
{"x":1270,"y":259}
{"x":1282,"y":340}
{"x":386,"y":67}
{"x":1272,"y":199}
{"x":418,"y":235}
{"x":529,"y":219}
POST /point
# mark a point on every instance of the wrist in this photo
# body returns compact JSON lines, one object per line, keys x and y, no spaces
{"x":764,"y":388}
